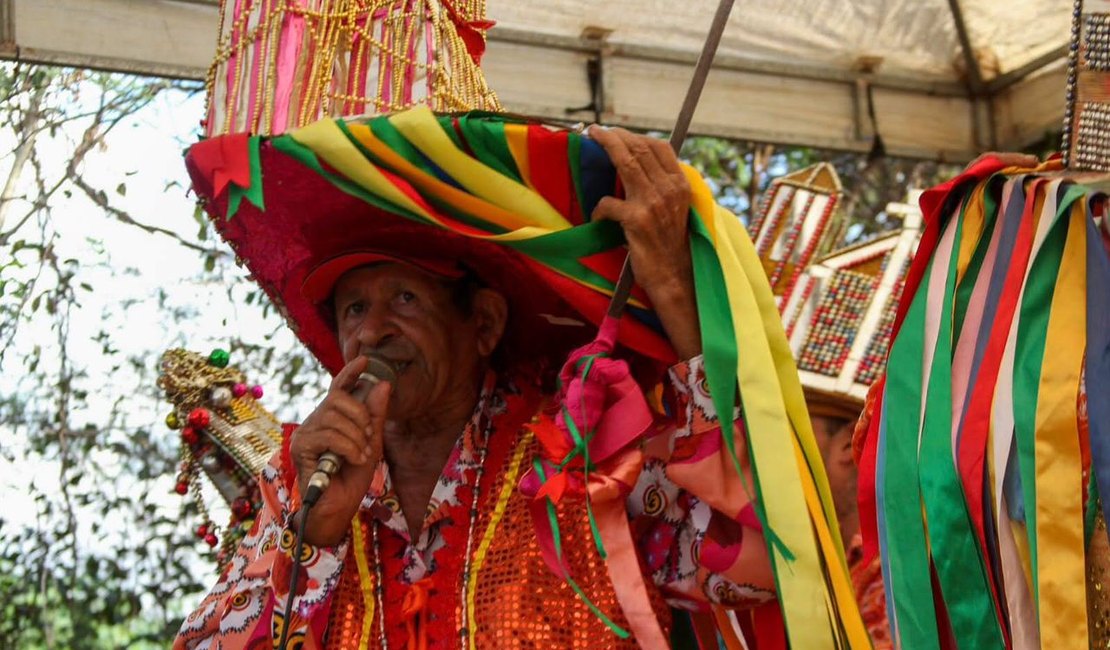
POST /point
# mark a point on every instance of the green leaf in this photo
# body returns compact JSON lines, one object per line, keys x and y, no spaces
{"x":121,"y":189}
{"x":210,"y":263}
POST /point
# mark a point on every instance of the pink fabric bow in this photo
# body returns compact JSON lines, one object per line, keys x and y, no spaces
{"x":603,"y":404}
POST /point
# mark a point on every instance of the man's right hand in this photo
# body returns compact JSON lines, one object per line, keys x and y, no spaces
{"x":353,"y":431}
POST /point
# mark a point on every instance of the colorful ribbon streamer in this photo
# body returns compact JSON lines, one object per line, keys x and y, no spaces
{"x":972,"y":473}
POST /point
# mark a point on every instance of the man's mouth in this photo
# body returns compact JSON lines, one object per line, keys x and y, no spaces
{"x":398,"y":365}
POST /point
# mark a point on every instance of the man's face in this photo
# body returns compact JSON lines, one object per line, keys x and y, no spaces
{"x":834,"y":438}
{"x":407,"y":316}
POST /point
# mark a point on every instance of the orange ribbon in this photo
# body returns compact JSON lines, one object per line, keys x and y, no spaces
{"x":414,"y":609}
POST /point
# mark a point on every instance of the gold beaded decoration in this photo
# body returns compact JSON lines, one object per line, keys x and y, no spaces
{"x":281,"y":65}
{"x":242,"y":428}
{"x":231,"y":442}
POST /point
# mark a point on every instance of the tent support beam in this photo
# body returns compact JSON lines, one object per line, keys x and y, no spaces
{"x":1017,"y":75}
{"x":7,"y":25}
{"x":974,"y":74}
{"x":982,"y":106}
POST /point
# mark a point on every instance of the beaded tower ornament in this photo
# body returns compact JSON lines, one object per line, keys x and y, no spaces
{"x":225,"y":432}
{"x":793,"y":223}
{"x":1086,"y":138}
{"x":837,"y":306}
{"x":282,"y":65}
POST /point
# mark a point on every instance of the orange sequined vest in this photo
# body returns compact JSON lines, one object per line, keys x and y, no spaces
{"x":512,"y":600}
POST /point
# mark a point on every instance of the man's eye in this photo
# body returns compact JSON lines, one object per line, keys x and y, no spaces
{"x":405,"y":297}
{"x":354,"y":309}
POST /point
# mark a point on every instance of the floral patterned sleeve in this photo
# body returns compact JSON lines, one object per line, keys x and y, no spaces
{"x":697,"y":528}
{"x":245,"y":607}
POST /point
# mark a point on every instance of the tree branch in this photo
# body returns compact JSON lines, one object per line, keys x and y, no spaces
{"x":23,"y":152}
{"x":101,"y":199}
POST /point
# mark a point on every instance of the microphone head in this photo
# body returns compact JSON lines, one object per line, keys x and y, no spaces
{"x":382,"y":369}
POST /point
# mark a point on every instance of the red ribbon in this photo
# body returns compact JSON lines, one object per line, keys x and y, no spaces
{"x":223,"y":160}
{"x":472,"y":32}
{"x":607,"y":406}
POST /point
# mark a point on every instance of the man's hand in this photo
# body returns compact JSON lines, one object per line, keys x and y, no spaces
{"x":654,"y":215}
{"x":353,"y":431}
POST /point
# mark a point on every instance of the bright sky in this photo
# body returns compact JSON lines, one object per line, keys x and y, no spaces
{"x":127,"y":274}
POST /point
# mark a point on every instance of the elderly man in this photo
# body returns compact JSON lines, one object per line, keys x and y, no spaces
{"x":423,"y":539}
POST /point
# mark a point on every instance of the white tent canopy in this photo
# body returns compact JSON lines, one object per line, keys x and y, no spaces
{"x":946,"y":78}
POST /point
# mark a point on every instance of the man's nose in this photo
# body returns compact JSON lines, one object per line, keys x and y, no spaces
{"x":377,"y":328}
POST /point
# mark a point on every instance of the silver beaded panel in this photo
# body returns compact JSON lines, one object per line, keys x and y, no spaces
{"x":1086,"y":137}
{"x":1092,"y":141}
{"x":1096,"y":33}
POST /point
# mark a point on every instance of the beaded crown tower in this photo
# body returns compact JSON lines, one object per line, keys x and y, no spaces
{"x":1086,"y":137}
{"x":283,"y":65}
{"x":837,"y":306}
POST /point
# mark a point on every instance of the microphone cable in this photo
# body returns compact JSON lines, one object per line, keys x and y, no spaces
{"x":298,"y":548}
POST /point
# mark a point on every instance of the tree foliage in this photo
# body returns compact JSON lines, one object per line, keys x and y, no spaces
{"x":741,"y":171}
{"x":95,"y":550}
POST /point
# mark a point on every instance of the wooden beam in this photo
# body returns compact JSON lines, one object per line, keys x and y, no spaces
{"x":1029,"y":110}
{"x":153,"y":37}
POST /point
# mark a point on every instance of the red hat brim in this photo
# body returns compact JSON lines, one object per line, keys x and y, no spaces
{"x":284,"y":250}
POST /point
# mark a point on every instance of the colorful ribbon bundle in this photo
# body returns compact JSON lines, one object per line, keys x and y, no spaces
{"x":972,"y":479}
{"x":531,"y":189}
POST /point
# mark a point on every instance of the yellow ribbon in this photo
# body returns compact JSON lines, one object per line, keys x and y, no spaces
{"x":365,"y":582}
{"x":1060,"y":549}
{"x":420,"y":127}
{"x":327,"y":141}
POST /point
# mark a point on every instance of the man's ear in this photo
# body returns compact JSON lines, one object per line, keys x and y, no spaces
{"x":841,"y":451}
{"x":491,"y":313}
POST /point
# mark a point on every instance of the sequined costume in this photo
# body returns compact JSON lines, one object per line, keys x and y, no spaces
{"x":492,"y":582}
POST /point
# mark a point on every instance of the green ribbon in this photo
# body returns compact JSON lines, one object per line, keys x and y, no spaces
{"x":487,"y":140}
{"x":553,"y":520}
{"x":253,"y":193}
{"x":955,"y":553}
{"x":1029,"y":354}
{"x":906,"y":552}
{"x":721,"y":357}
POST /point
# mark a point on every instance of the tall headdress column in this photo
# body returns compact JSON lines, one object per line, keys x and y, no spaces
{"x":283,"y":65}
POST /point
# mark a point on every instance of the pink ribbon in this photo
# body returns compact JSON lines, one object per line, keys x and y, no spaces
{"x":608,"y":410}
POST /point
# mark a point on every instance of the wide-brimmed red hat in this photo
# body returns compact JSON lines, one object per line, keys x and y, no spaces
{"x":298,"y":232}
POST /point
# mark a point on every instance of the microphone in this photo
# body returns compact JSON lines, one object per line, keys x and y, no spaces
{"x":377,"y":371}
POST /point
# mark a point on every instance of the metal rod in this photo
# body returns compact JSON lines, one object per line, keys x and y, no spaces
{"x":678,"y":135}
{"x":974,"y":74}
